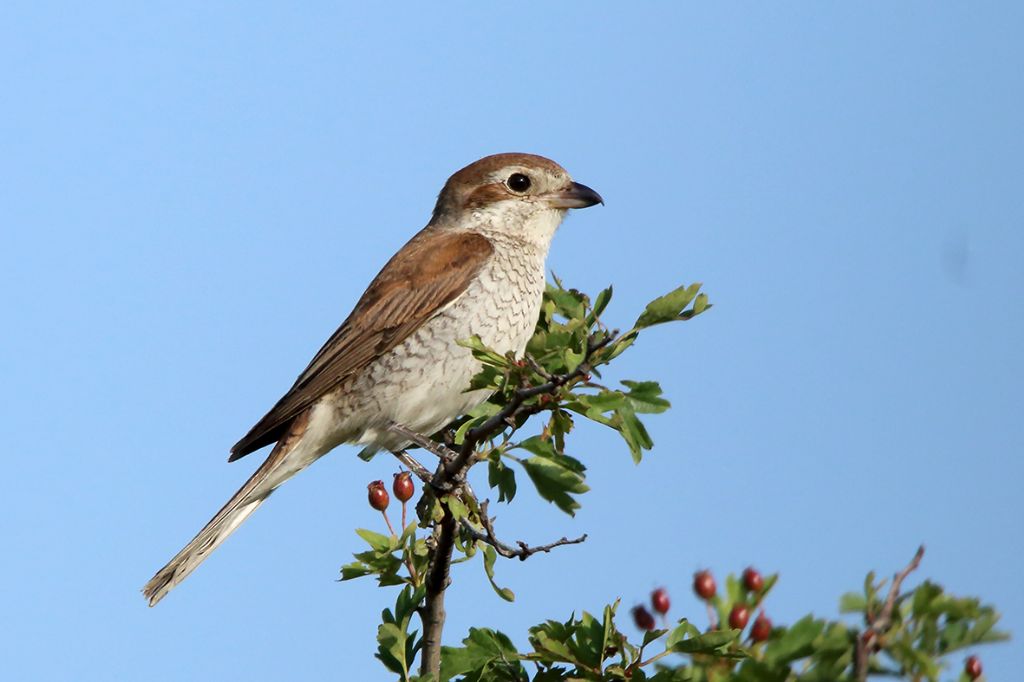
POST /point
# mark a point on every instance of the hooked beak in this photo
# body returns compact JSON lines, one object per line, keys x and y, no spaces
{"x":574,"y":196}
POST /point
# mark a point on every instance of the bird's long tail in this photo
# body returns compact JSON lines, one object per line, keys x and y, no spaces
{"x":283,"y":462}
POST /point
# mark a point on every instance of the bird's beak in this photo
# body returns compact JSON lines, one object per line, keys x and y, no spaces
{"x":574,"y":196}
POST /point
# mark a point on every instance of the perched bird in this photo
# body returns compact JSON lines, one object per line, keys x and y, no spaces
{"x":476,"y":268}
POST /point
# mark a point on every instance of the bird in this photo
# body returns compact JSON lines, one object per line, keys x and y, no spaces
{"x":476,"y":268}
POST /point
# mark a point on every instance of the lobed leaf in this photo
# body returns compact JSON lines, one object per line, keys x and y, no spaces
{"x":669,"y":307}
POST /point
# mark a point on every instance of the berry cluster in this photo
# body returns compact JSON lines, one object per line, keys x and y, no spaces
{"x":752,"y":585}
{"x":402,"y":487}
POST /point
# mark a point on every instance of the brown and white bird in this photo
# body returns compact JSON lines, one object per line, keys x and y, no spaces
{"x":476,"y":268}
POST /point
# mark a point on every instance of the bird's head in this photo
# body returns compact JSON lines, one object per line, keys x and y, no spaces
{"x":518,"y":196}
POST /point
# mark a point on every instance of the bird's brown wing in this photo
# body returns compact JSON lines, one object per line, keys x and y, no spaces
{"x":428,"y":273}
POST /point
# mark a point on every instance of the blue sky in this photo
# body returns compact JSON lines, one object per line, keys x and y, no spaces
{"x":194,"y":194}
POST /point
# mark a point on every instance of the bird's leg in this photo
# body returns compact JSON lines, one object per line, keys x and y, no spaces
{"x":421,"y":472}
{"x":430,"y":445}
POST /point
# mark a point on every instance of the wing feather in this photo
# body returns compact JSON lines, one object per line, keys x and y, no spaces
{"x":427,"y":274}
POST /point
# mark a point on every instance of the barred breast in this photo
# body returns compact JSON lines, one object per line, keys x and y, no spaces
{"x":422,"y":382}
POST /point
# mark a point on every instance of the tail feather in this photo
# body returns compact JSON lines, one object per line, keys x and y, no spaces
{"x":209,"y":538}
{"x":283,"y":462}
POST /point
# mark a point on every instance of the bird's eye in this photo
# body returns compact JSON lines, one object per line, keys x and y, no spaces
{"x":517,"y":182}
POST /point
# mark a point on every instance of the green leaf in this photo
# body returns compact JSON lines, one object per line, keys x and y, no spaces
{"x":645,"y":396}
{"x":391,"y":648}
{"x":600,"y":303}
{"x":489,"y":378}
{"x":605,"y":401}
{"x":668,"y":307}
{"x":620,"y":345}
{"x":559,"y":426}
{"x":490,"y":556}
{"x":501,"y":477}
{"x":700,"y":304}
{"x":705,"y":643}
{"x":588,"y":643}
{"x":551,"y":640}
{"x":460,"y":433}
{"x":380,"y":543}
{"x":568,"y":302}
{"x":633,"y":432}
{"x":852,"y":602}
{"x":608,"y":620}
{"x":795,"y":642}
{"x":572,"y":359}
{"x":539,"y":446}
{"x":652,"y":635}
{"x":483,"y":352}
{"x":556,"y":480}
{"x":456,"y":507}
{"x":355,"y":570}
{"x":684,"y":630}
{"x":407,"y":603}
{"x":488,"y":654}
{"x":926,"y":599}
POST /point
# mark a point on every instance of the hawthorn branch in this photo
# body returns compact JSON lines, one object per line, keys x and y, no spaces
{"x":437,"y":580}
{"x":524,"y":551}
{"x":879,"y":623}
{"x":506,"y":415}
{"x":451,"y":475}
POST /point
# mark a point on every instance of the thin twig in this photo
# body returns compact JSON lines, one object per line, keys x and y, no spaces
{"x":712,"y":616}
{"x":535,"y":366}
{"x":524,"y":552}
{"x":878,"y":624}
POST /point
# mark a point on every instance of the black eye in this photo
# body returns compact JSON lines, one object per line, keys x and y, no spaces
{"x":517,"y":182}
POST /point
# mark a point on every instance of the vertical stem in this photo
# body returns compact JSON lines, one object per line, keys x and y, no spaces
{"x":388,"y":521}
{"x":432,"y":614}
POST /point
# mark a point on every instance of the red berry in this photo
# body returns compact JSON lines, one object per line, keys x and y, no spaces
{"x":378,"y":495}
{"x":643,"y":618}
{"x":972,"y":666}
{"x":752,"y":579}
{"x":403,"y":487}
{"x":761,"y":628}
{"x":660,"y":601}
{"x":739,"y":616}
{"x":704,"y":584}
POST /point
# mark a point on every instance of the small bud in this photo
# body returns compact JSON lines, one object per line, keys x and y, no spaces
{"x":378,"y":495}
{"x":403,"y":487}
